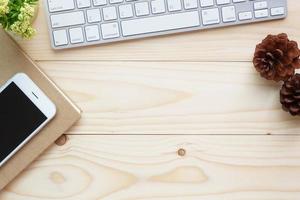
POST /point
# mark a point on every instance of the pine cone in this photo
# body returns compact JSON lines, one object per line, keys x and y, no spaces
{"x":277,"y":57}
{"x":290,"y":95}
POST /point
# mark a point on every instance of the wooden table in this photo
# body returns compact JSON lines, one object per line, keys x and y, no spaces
{"x":168,"y":118}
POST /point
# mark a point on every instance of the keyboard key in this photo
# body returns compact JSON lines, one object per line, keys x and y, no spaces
{"x":92,"y":33}
{"x":93,"y":15}
{"x":115,"y":1}
{"x":83,"y":3}
{"x":261,"y":13}
{"x":60,"y":37}
{"x":260,"y":5}
{"x":210,"y":16}
{"x":206,"y":3}
{"x":158,"y":6}
{"x":67,"y":19}
{"x":222,"y":2}
{"x":142,"y":9}
{"x":245,"y":15}
{"x":126,"y":11}
{"x":59,"y":5}
{"x":239,"y":1}
{"x":228,"y":14}
{"x":277,"y":11}
{"x":174,"y":5}
{"x":76,"y":35}
{"x":109,"y":13}
{"x":190,"y":4}
{"x":99,"y":2}
{"x":110,"y":30}
{"x":160,"y":23}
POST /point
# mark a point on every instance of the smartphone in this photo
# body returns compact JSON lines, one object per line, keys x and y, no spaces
{"x":24,"y":111}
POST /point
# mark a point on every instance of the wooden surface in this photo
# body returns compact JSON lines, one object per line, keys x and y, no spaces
{"x":144,"y":100}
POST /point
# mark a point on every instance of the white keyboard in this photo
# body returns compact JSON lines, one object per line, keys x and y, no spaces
{"x":74,"y":23}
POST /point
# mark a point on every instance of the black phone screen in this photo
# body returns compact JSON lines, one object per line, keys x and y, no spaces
{"x":19,"y":118}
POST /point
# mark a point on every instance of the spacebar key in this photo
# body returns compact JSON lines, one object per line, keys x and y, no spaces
{"x":160,"y":23}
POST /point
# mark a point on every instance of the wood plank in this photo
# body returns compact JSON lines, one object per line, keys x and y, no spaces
{"x":149,"y":168}
{"x":226,"y":44}
{"x":172,"y":98}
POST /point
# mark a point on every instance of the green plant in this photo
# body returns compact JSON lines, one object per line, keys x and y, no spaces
{"x":16,"y":16}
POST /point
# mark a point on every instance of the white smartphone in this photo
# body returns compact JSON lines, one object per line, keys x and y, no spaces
{"x":24,"y":111}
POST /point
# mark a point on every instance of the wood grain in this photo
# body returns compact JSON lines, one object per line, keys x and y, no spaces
{"x":172,"y":98}
{"x":148,"y":168}
{"x":194,"y":83}
{"x":226,"y":44}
